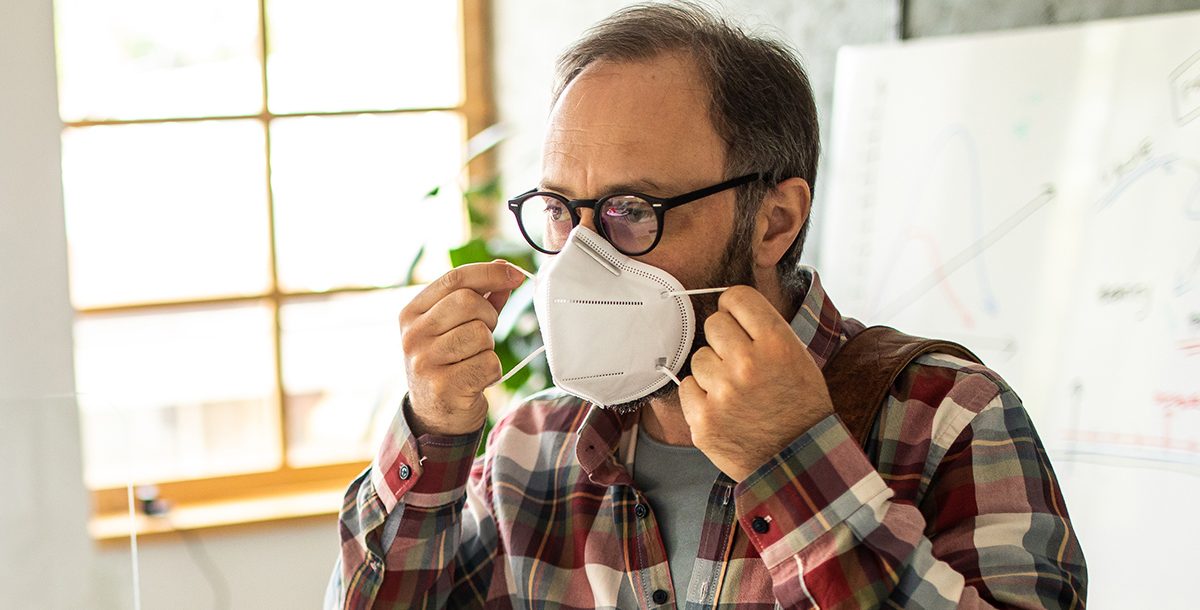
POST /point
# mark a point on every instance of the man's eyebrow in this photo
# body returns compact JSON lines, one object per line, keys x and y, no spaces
{"x":639,"y":185}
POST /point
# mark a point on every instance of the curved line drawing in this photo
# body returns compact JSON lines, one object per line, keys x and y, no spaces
{"x":938,"y":263}
{"x":1179,"y":90}
{"x":1187,"y":277}
{"x":941,"y":146}
{"x":1191,"y":206}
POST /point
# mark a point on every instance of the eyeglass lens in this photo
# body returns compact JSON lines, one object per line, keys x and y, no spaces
{"x":629,"y":222}
{"x":546,"y":221}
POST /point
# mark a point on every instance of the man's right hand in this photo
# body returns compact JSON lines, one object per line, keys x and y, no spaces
{"x":449,"y":351}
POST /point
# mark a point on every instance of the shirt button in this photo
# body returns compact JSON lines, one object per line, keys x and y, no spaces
{"x":760,"y":525}
{"x":405,"y":472}
{"x":641,"y":511}
{"x":660,"y":596}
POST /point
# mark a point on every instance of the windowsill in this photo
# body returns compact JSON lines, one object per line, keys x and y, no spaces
{"x":233,"y":500}
{"x":115,"y":526}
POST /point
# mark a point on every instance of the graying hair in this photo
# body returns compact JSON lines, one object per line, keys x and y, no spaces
{"x":761,"y":101}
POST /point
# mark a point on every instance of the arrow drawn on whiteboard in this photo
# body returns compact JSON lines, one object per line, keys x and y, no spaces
{"x":935,"y":277}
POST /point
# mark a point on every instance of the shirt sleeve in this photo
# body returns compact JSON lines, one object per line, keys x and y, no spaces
{"x":990,"y":530}
{"x":416,"y":526}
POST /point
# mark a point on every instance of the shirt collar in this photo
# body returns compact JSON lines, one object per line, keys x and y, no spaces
{"x":818,"y":323}
{"x":604,"y":435}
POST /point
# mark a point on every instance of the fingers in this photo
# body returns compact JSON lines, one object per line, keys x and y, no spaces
{"x":500,"y":297}
{"x":498,"y":300}
{"x":693,"y":402}
{"x":495,"y":277}
{"x":449,"y":352}
{"x":706,"y":364}
{"x":691,"y":395}
{"x":479,"y":371}
{"x":458,"y":308}
{"x":724,"y":334}
{"x":461,"y":343}
{"x":756,"y":315}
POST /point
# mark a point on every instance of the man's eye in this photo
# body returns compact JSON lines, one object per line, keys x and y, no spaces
{"x":554,"y":211}
{"x":629,"y":212}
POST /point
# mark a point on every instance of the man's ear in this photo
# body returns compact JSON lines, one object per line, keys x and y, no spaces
{"x":782,"y":214}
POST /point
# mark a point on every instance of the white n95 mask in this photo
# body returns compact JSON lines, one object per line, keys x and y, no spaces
{"x":614,"y":329}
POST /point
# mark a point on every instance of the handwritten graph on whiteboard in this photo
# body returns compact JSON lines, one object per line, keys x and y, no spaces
{"x":1036,"y":197}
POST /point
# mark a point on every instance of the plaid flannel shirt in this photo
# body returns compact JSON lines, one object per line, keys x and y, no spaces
{"x":953,"y":504}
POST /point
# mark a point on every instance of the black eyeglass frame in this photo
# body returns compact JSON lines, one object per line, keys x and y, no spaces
{"x":660,"y":206}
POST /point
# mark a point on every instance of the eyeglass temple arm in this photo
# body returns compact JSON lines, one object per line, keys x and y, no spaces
{"x":711,"y":190}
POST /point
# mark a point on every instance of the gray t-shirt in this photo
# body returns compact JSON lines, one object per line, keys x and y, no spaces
{"x":677,"y":481}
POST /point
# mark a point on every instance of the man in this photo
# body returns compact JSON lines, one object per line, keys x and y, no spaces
{"x":740,"y":487}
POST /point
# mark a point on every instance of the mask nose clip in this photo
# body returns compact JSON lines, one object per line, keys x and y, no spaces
{"x":604,"y":262}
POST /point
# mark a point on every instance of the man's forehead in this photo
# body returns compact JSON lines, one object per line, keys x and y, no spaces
{"x":645,"y":123}
{"x":662,"y":83}
{"x":675,"y":68}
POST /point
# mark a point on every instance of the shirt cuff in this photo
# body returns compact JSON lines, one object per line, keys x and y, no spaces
{"x":814,"y":484}
{"x":427,"y":471}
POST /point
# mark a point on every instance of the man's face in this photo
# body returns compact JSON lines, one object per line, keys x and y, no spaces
{"x":645,"y":126}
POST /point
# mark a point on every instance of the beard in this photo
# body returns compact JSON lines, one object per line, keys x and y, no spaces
{"x":735,"y":268}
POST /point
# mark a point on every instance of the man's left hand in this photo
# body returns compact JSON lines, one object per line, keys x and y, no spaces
{"x":754,"y":389}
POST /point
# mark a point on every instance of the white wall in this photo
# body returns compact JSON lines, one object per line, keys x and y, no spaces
{"x":47,"y":559}
{"x":283,"y":565}
{"x":44,"y":507}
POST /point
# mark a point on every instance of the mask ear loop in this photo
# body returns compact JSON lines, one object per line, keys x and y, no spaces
{"x":527,"y":274}
{"x":666,"y":371}
{"x":671,"y":293}
{"x":529,"y":358}
{"x":520,"y":365}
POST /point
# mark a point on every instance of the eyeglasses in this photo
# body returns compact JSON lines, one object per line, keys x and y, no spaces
{"x":632,"y":222}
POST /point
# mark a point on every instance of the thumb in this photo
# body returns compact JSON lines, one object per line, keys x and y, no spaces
{"x":691,"y":398}
{"x":499,"y":298}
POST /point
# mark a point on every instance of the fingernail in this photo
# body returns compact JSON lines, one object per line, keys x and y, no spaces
{"x":509,"y":271}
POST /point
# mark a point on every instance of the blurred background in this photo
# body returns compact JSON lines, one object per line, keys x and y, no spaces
{"x":211,"y":214}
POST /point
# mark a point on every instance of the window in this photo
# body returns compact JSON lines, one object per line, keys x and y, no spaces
{"x":249,"y":189}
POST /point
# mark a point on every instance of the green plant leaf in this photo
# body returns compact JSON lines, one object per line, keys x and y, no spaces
{"x":508,"y":361}
{"x":411,"y":274}
{"x":519,"y":303}
{"x":487,"y":430}
{"x":474,"y":251}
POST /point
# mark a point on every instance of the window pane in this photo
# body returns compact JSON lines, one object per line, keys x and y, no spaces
{"x":178,"y":394}
{"x":349,"y":196}
{"x":366,"y":54}
{"x":133,"y":59}
{"x":166,"y":211}
{"x":343,"y":372}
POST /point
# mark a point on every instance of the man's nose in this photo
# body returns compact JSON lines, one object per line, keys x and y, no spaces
{"x":587,"y":218}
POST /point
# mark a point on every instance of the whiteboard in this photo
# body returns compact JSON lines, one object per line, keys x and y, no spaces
{"x":1035,"y":196}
